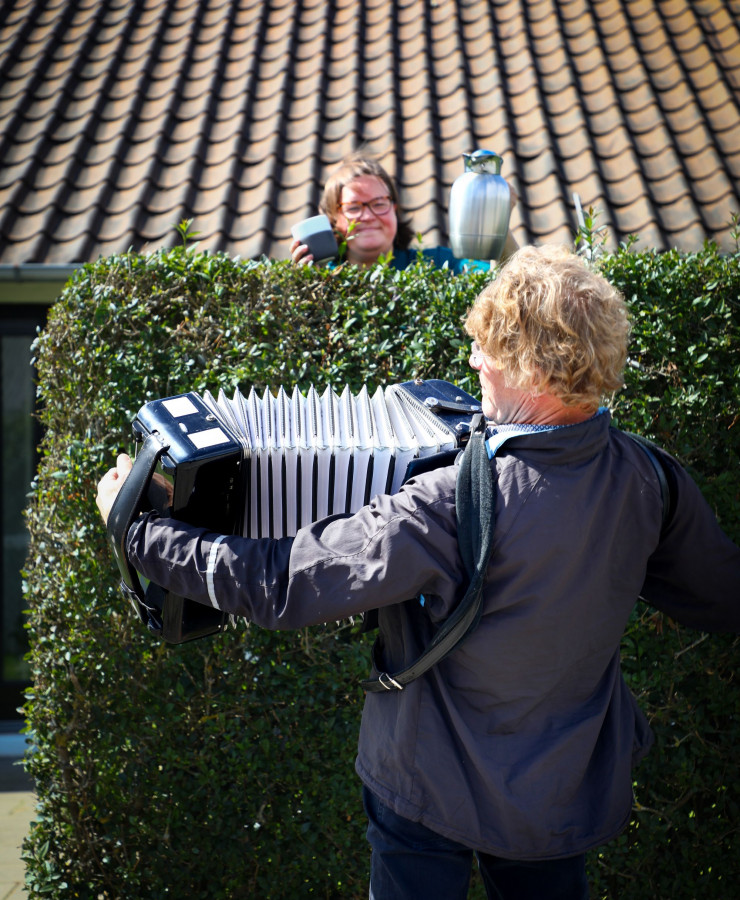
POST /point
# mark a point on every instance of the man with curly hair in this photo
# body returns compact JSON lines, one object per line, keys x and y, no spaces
{"x":517,"y":748}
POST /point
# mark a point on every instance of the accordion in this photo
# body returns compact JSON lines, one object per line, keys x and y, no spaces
{"x":266,"y":464}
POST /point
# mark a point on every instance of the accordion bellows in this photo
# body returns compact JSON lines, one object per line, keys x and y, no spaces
{"x":265,"y":464}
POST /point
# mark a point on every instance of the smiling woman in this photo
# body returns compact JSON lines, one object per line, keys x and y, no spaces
{"x":363,"y":206}
{"x":367,"y":218}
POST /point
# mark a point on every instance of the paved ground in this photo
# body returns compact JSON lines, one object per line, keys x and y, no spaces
{"x":16,"y":811}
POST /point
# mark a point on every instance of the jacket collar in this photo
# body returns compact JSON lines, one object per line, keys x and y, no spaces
{"x":558,"y":443}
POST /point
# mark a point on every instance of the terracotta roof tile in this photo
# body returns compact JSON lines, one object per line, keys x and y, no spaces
{"x":118,"y":118}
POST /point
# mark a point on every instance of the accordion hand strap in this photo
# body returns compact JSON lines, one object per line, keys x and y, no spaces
{"x":474,"y":504}
{"x":126,"y":507}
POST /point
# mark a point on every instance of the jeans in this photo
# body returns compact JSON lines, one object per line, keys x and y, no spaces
{"x":410,"y":862}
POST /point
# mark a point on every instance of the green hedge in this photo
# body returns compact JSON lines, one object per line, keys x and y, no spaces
{"x":224,"y":768}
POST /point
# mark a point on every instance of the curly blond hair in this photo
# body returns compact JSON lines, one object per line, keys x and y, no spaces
{"x":552,"y":325}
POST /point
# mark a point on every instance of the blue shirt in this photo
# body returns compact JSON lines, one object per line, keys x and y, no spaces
{"x":440,"y":257}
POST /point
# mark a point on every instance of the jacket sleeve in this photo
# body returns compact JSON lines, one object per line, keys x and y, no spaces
{"x":694,"y":573}
{"x":391,"y":550}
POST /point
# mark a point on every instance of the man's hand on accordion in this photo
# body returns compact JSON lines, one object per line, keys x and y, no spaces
{"x":110,"y":484}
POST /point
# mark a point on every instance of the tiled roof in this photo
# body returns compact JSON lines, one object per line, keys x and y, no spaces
{"x":120,"y":118}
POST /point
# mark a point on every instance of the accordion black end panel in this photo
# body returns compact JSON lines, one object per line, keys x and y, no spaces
{"x":263,"y":465}
{"x":188,"y":466}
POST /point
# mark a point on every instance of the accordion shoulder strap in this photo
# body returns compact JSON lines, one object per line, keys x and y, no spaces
{"x":474,"y":503}
{"x":475,"y":517}
{"x":662,"y":473}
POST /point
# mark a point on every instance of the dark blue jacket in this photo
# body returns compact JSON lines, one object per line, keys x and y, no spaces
{"x":521,"y":742}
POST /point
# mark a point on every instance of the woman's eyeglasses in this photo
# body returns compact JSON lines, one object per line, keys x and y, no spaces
{"x":378,"y":205}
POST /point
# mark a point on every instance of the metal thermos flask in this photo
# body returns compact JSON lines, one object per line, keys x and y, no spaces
{"x":480,"y":206}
